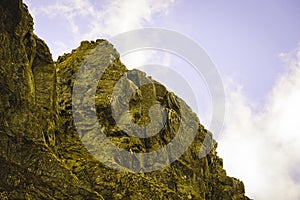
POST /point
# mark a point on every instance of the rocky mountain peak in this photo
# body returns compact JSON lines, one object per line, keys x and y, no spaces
{"x":49,"y":149}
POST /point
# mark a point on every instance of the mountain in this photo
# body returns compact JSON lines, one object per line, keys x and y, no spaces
{"x":49,"y":148}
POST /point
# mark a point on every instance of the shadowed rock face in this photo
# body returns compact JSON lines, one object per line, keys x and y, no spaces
{"x":42,"y":156}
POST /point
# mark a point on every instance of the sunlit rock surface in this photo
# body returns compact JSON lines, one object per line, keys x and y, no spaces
{"x":42,"y":155}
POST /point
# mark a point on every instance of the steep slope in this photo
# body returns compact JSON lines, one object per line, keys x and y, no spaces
{"x":42,"y":155}
{"x":29,"y":166}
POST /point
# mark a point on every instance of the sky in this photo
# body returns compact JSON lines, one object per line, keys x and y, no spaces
{"x":255,"y":47}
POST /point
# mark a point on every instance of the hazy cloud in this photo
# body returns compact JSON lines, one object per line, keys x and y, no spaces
{"x":90,"y":20}
{"x":262,"y":148}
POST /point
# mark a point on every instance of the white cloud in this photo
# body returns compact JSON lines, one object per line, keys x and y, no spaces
{"x":67,"y":9}
{"x":123,"y":15}
{"x":263,"y":149}
{"x":90,"y":20}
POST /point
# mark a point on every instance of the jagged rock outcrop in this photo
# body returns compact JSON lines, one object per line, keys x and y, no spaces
{"x":42,"y":155}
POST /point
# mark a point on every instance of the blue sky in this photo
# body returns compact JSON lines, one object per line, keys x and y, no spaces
{"x":255,"y":47}
{"x":244,"y":38}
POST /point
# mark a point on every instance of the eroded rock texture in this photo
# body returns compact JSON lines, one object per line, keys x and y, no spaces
{"x":42,"y":156}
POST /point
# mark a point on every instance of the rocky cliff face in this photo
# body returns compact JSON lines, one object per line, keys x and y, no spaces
{"x":42,"y":156}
